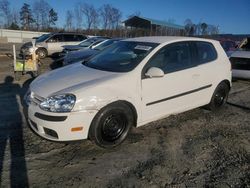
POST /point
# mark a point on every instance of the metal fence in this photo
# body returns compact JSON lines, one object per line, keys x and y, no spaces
{"x":17,"y":36}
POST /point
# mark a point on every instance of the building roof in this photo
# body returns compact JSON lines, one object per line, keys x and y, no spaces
{"x":137,"y":21}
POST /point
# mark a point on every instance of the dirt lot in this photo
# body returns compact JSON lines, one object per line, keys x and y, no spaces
{"x":194,"y":149}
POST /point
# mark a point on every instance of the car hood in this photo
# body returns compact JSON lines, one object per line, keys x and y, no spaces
{"x":27,"y":44}
{"x":241,"y":54}
{"x":69,"y":78}
{"x":81,"y":54}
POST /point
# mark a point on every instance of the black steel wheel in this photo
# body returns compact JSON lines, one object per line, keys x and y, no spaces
{"x":219,"y":97}
{"x":111,"y":125}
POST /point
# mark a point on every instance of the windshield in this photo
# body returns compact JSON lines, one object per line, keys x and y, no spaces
{"x":104,"y":44}
{"x":43,"y":37}
{"x":123,"y":56}
{"x":88,"y":42}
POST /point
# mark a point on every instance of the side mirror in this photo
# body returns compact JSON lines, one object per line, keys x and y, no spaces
{"x":154,"y":72}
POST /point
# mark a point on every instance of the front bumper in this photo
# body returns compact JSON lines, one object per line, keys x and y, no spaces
{"x":58,"y":126}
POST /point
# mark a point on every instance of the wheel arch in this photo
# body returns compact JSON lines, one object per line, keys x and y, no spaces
{"x":124,"y":102}
{"x":127,"y":103}
{"x":227,"y":82}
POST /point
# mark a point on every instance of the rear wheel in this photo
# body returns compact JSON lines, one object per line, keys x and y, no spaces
{"x":111,"y":125}
{"x":219,"y":97}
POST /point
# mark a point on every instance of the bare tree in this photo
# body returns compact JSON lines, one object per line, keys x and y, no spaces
{"x":78,"y":16}
{"x":212,"y":30}
{"x":14,"y":20}
{"x":105,"y":15}
{"x":190,"y":27}
{"x":110,"y":16}
{"x":52,"y":17}
{"x":5,"y":11}
{"x":115,"y":19}
{"x":26,"y":16}
{"x":41,"y":14}
{"x":90,"y":14}
{"x":69,"y":20}
{"x":204,"y":28}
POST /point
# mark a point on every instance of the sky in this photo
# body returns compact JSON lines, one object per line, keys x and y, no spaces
{"x":232,"y":16}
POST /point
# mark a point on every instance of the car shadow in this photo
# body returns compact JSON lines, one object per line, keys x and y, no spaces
{"x":11,"y":133}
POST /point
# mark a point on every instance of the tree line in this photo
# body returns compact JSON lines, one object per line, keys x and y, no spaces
{"x":201,"y":28}
{"x":40,"y":16}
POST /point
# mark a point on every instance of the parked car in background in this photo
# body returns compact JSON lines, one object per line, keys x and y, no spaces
{"x":52,"y":43}
{"x":240,"y":60}
{"x":229,"y":46}
{"x":131,"y":83}
{"x":83,"y":45}
{"x":83,"y":55}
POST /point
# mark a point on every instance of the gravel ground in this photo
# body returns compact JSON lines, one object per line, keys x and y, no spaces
{"x":7,"y":48}
{"x":197,"y":148}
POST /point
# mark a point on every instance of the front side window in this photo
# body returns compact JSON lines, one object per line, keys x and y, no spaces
{"x":171,"y":58}
{"x":43,"y":38}
{"x":122,"y":56}
{"x":70,"y":38}
{"x":205,"y":52}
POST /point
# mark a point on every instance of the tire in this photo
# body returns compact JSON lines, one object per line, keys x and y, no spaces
{"x":219,"y":97}
{"x":42,"y":53}
{"x":111,"y":125}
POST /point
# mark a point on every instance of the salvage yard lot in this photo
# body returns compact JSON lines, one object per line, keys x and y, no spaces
{"x":194,"y":149}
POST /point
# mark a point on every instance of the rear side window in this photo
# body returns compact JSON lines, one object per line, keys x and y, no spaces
{"x":81,"y":37}
{"x":205,"y":52}
{"x":70,"y":38}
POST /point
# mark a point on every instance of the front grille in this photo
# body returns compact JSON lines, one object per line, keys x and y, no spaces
{"x":50,"y":132}
{"x":240,"y":63}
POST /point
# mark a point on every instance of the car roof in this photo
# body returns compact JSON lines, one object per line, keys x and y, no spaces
{"x":65,"y":33}
{"x":166,"y":39}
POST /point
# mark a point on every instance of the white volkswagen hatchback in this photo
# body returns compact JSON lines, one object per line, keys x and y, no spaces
{"x":131,"y":83}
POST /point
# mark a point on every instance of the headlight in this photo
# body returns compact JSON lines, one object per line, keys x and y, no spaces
{"x":59,"y":103}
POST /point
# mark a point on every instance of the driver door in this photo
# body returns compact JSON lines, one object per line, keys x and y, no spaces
{"x":176,"y":90}
{"x":55,"y":44}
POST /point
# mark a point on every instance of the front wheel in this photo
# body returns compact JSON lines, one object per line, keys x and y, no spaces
{"x":219,"y":97}
{"x":111,"y":125}
{"x":42,"y":53}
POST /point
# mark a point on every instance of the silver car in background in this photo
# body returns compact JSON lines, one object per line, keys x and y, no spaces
{"x":52,"y":43}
